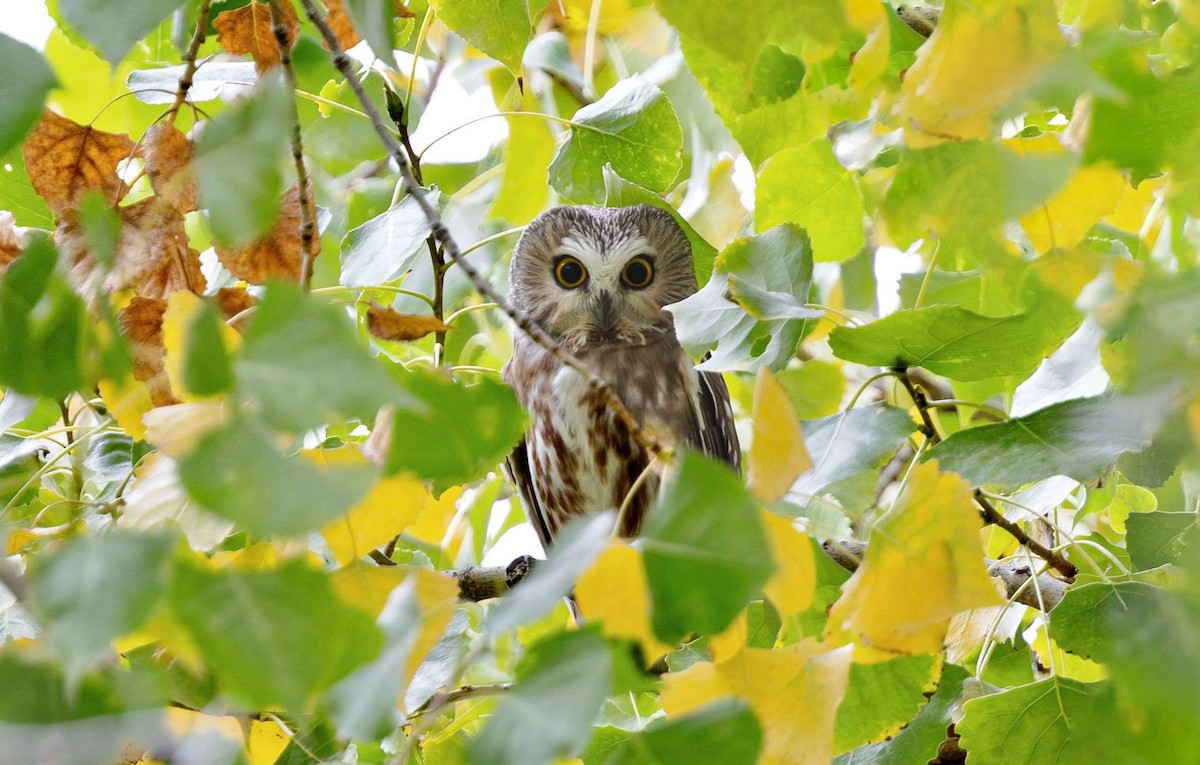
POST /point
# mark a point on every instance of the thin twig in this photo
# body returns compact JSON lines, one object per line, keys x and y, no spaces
{"x":442,"y":699}
{"x":307,"y":224}
{"x":450,"y":249}
{"x":1055,"y":559}
{"x":189,"y":59}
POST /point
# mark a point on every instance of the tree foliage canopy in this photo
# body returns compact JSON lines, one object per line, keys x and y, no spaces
{"x":252,"y":257}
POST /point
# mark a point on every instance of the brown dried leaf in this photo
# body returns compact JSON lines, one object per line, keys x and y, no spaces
{"x":276,"y":255}
{"x":387,"y":324}
{"x":343,"y":28}
{"x":248,"y":30}
{"x":153,"y":258}
{"x":10,"y":240}
{"x":231,"y":301}
{"x":64,"y":159}
{"x":141,"y":324}
{"x":167,"y":153}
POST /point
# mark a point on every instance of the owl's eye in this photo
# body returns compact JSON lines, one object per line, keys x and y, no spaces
{"x":569,"y":272}
{"x":638,"y":272}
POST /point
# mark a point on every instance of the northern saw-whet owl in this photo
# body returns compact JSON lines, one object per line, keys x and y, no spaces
{"x":596,"y":280}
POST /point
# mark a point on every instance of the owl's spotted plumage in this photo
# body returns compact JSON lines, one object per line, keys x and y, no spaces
{"x":596,"y":279}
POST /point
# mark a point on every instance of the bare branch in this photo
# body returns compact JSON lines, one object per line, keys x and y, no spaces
{"x":189,"y":59}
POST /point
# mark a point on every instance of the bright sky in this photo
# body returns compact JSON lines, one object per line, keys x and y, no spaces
{"x":27,"y":21}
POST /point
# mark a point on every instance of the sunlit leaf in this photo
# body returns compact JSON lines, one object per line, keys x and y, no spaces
{"x":883,"y":695}
{"x":777,"y":453}
{"x":614,"y":593}
{"x":65,"y":159}
{"x":499,"y":28}
{"x":392,"y":504}
{"x":248,"y":29}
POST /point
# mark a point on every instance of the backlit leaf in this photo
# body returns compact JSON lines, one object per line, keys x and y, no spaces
{"x":279,"y":254}
{"x":777,"y":452}
{"x":392,"y":504}
{"x":499,"y":28}
{"x":167,"y":153}
{"x":614,"y":593}
{"x":114,"y":27}
{"x":249,"y":30}
{"x":64,"y":159}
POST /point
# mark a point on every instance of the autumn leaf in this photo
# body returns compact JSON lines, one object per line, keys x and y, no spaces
{"x":232,"y":302}
{"x":141,"y":324}
{"x":64,"y":159}
{"x":777,"y":452}
{"x":793,"y":585}
{"x":10,"y":242}
{"x":387,"y":324}
{"x":277,"y":255}
{"x":248,"y":30}
{"x":343,"y":27}
{"x":153,"y":257}
{"x":167,"y":153}
{"x":614,"y":593}
{"x":392,"y":504}
{"x":794,"y":692}
{"x":930,"y":536}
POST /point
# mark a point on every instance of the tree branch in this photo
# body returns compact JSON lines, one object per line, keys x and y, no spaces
{"x":189,"y":58}
{"x":450,"y":249}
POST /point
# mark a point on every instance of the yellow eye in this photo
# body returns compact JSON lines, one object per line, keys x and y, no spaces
{"x":569,"y":272}
{"x":638,"y":272}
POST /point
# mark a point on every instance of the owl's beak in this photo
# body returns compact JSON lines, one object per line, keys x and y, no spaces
{"x":606,"y":313}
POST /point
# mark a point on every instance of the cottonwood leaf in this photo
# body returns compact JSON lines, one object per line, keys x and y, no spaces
{"x":152,"y":255}
{"x":157,"y":501}
{"x":176,"y":429}
{"x":115,"y":26}
{"x":167,"y":153}
{"x":392,"y":504}
{"x":352,"y":20}
{"x":847,"y":443}
{"x":883,"y":695}
{"x":548,"y":715}
{"x":792,"y":588}
{"x":248,"y":30}
{"x":794,"y":692}
{"x":157,"y":86}
{"x":806,"y":185}
{"x":1087,"y":612}
{"x":386,"y":246}
{"x":141,"y":324}
{"x":1079,"y":438}
{"x":930,"y":535}
{"x":775,"y":259}
{"x":65,"y":159}
{"x":633,"y":128}
{"x":21,"y":97}
{"x":238,"y":162}
{"x":613,"y":593}
{"x":960,"y":344}
{"x":523,"y":191}
{"x":1157,"y":538}
{"x":1064,"y":219}
{"x":276,"y":637}
{"x":198,"y":346}
{"x":777,"y":452}
{"x":388,"y":324}
{"x":705,"y":550}
{"x":724,"y":732}
{"x":279,"y":254}
{"x":499,"y":28}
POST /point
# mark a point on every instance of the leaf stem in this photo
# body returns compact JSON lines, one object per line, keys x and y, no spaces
{"x":189,"y":59}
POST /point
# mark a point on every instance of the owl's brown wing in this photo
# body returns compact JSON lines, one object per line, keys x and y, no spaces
{"x":522,"y":478}
{"x":712,"y":425}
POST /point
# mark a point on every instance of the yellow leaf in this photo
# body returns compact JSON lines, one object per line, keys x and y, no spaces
{"x":128,"y":402}
{"x":366,"y":585}
{"x":614,"y":592}
{"x":794,"y":692}
{"x":183,"y":308}
{"x":1132,"y":212}
{"x":265,"y":742}
{"x":1065,"y":219}
{"x":176,"y":429}
{"x":979,"y":57}
{"x":730,"y":641}
{"x":924,"y":564}
{"x":433,"y":524}
{"x":793,"y":585}
{"x":186,"y":722}
{"x":437,"y":596}
{"x":864,"y":15}
{"x":1066,"y":664}
{"x":392,"y":504}
{"x":777,"y":452}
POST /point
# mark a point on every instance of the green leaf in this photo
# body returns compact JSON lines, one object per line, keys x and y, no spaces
{"x":850,"y":442}
{"x":882,"y":697}
{"x":773,"y":261}
{"x":1083,"y":620}
{"x":457,"y":432}
{"x":955,"y":342}
{"x":206,"y":368}
{"x":99,"y":587}
{"x":17,"y":194}
{"x":373,"y":19}
{"x":523,"y":189}
{"x":1079,"y":438}
{"x":386,"y":246}
{"x":303,"y":366}
{"x":814,"y":388}
{"x":275,"y":638}
{"x":918,"y":741}
{"x":632,"y":128}
{"x":42,"y":326}
{"x":1154,"y":539}
{"x":553,"y":579}
{"x":619,"y":192}
{"x":21,"y":97}
{"x":705,"y":551}
{"x":499,"y":28}
{"x":806,"y":185}
{"x":237,"y":472}
{"x":238,"y":160}
{"x":548,"y":715}
{"x":724,"y":732}
{"x":551,"y":52}
{"x":113,"y":26}
{"x":1043,"y":723}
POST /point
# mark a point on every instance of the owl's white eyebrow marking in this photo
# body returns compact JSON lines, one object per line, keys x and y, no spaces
{"x":600,"y":260}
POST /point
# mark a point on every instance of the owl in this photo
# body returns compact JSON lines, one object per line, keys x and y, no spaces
{"x":597,"y":280}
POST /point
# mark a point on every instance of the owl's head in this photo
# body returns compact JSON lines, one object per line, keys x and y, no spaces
{"x":595,"y":275}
